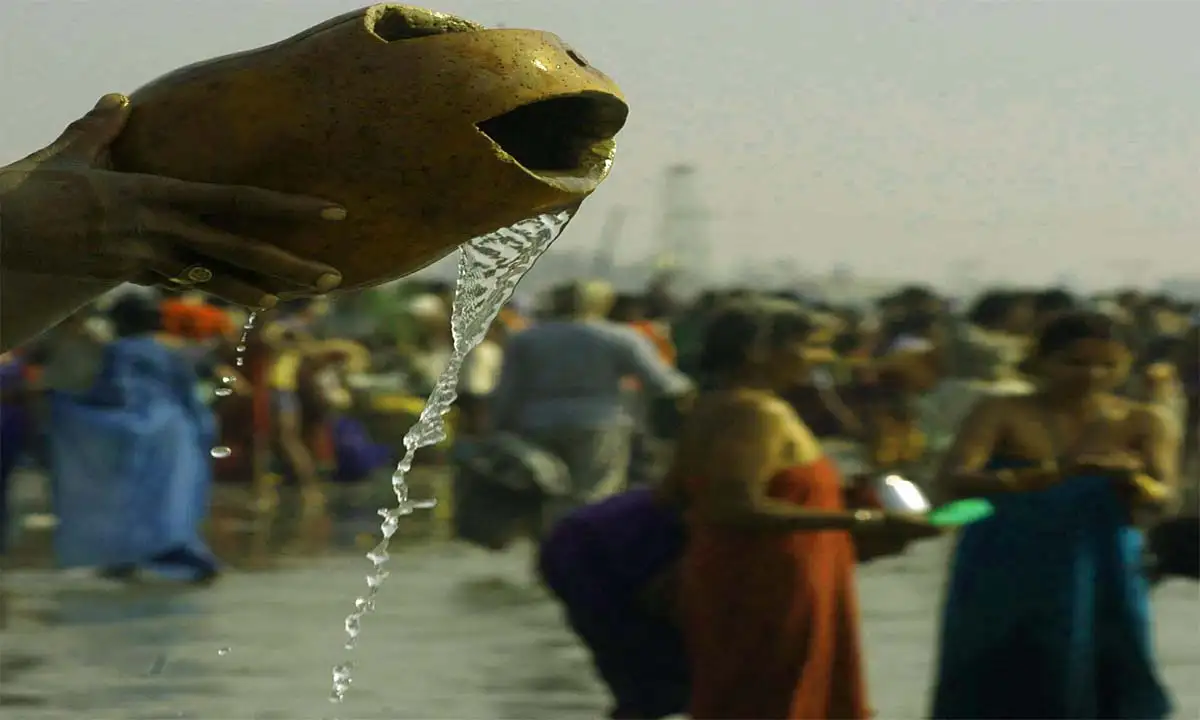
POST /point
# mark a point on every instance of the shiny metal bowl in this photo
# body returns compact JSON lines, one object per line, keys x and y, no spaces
{"x":892,"y":493}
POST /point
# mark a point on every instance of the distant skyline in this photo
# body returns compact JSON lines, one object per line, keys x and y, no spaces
{"x":1023,"y":140}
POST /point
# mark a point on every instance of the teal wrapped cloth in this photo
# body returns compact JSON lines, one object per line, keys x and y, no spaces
{"x":1047,"y":612}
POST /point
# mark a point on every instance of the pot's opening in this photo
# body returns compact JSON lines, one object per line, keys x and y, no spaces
{"x":391,"y":23}
{"x":557,"y":134}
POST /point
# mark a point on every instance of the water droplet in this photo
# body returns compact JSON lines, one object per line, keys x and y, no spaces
{"x":341,"y":682}
{"x":390,"y":524}
{"x":227,"y":381}
{"x":489,"y":268}
{"x":379,"y":555}
{"x":224,"y":651}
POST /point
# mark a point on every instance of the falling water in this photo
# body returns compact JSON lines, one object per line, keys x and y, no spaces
{"x":489,"y":268}
{"x":225,"y":389}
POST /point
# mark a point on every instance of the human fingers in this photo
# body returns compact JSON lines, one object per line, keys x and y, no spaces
{"x":258,"y":258}
{"x":235,"y":290}
{"x":233,"y":200}
{"x":88,"y":138}
{"x":223,"y":283}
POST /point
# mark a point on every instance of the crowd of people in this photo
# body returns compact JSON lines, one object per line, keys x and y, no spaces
{"x":1076,"y":418}
{"x":651,"y":445}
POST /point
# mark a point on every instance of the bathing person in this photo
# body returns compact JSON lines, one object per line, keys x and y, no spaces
{"x":562,"y":388}
{"x":71,"y":230}
{"x":1046,"y":613}
{"x":611,"y":564}
{"x":767,"y":596}
{"x":130,"y":464}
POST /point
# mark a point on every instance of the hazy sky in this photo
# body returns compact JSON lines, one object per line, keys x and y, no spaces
{"x":899,"y":138}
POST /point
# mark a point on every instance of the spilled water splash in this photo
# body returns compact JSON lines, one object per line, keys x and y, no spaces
{"x":489,"y":268}
{"x":225,"y":389}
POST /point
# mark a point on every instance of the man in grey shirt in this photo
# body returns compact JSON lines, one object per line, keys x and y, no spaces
{"x":562,"y":388}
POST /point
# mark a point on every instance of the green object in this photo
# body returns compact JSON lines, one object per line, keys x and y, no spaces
{"x":963,"y":512}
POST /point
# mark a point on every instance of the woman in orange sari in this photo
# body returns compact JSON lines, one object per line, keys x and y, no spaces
{"x":769,"y":607}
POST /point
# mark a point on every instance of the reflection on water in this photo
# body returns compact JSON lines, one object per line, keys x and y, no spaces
{"x":463,"y":634}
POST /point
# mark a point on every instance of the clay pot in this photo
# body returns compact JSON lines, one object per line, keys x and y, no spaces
{"x":429,"y":129}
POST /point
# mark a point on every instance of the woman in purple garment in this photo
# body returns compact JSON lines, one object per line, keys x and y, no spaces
{"x":609,"y":565}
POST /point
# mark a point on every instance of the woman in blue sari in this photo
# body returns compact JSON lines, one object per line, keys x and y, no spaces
{"x":1047,"y":613}
{"x":130,"y":457}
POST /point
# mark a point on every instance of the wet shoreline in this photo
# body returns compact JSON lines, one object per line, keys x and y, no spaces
{"x":459,"y":633}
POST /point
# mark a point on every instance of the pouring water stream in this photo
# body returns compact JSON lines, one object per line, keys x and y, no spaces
{"x":489,"y":269}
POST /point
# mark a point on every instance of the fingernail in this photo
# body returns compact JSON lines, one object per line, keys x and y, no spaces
{"x":112,"y":101}
{"x":334,"y":213}
{"x":266,"y":302}
{"x":328,"y":281}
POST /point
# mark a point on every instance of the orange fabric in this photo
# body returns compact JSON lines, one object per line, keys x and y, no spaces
{"x":660,"y":337}
{"x":194,"y":322}
{"x":33,"y":374}
{"x":771,"y":618}
{"x":512,"y":320}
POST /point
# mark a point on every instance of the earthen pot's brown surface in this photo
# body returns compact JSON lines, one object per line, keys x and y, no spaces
{"x":429,"y":129}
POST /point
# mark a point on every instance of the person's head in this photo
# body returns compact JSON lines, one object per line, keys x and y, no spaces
{"x":1130,"y":299}
{"x":1050,"y":303}
{"x":706,"y":302}
{"x":659,"y":306}
{"x":918,"y":298}
{"x":628,"y":308}
{"x":767,"y":342}
{"x":1001,"y":310}
{"x":582,"y":300}
{"x":1078,"y":354}
{"x":135,"y":314}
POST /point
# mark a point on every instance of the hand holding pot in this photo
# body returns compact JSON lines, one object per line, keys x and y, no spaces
{"x":63,"y":214}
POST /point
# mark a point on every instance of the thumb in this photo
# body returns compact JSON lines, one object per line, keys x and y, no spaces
{"x":86,"y":139}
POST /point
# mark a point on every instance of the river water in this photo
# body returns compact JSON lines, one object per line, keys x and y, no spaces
{"x":459,"y":633}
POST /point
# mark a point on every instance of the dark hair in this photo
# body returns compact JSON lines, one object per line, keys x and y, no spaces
{"x":1050,"y":302}
{"x":626,"y":307}
{"x":740,"y":328}
{"x":439,"y":287}
{"x":707,"y":300}
{"x":658,"y":305}
{"x":1069,"y":328}
{"x":566,"y":299}
{"x":992,"y":309}
{"x":135,"y":314}
{"x":912,"y":296}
